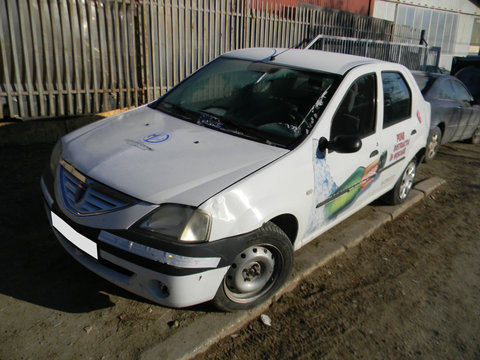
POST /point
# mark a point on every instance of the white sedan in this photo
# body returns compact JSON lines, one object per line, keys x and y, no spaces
{"x":205,"y":193}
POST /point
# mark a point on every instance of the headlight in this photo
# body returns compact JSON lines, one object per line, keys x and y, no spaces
{"x":55,"y":157}
{"x":180,"y":222}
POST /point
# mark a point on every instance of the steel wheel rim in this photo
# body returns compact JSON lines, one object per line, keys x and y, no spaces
{"x":252,"y":273}
{"x":433,"y":145}
{"x":407,"y":180}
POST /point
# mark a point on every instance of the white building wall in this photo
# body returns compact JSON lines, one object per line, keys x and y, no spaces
{"x":385,"y":10}
{"x":464,"y":34}
{"x":463,"y":6}
{"x":465,"y":11}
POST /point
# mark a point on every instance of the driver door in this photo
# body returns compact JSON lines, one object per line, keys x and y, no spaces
{"x":352,"y":175}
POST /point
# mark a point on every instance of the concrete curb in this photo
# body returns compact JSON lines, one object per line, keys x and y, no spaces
{"x":206,"y":330}
{"x":429,"y":185}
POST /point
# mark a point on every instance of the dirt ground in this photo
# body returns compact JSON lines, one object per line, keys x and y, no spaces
{"x":412,"y":290}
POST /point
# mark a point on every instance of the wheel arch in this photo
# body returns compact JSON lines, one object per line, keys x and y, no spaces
{"x":288,"y":223}
{"x":420,"y":155}
{"x":441,"y":126}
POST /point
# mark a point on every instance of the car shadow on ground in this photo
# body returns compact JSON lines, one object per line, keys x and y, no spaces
{"x":470,"y":160}
{"x":452,"y":153}
{"x":33,"y":265}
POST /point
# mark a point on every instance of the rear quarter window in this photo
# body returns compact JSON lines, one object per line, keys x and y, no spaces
{"x":442,"y":90}
{"x":397,"y":99}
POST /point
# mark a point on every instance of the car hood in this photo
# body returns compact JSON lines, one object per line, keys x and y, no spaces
{"x":158,"y":158}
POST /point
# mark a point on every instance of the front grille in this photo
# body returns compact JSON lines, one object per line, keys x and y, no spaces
{"x":84,"y":196}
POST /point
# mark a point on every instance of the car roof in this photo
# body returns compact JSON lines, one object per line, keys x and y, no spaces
{"x":334,"y":63}
{"x":432,"y":75}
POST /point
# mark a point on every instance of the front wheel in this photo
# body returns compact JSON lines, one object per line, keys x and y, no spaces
{"x":258,"y":271}
{"x":403,"y":186}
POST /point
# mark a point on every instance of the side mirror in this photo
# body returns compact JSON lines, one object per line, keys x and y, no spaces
{"x":341,"y":144}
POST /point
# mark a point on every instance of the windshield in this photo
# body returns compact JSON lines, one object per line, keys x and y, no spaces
{"x":260,"y":101}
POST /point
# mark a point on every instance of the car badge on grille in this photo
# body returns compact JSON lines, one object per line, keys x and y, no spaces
{"x":83,"y":196}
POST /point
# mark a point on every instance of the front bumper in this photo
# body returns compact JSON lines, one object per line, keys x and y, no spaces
{"x":170,"y":274}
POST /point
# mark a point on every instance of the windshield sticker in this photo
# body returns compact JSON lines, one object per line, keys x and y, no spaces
{"x":210,"y":120}
{"x":156,"y":138}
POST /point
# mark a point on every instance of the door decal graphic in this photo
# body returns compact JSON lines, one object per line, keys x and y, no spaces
{"x":348,"y":192}
{"x":338,"y":198}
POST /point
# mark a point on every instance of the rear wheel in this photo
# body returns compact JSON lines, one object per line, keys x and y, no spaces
{"x":403,"y":186}
{"x":258,"y":271}
{"x":433,"y":144}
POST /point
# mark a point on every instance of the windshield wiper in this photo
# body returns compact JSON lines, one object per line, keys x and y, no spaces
{"x":218,"y":123}
{"x":258,"y":135}
{"x":176,"y":110}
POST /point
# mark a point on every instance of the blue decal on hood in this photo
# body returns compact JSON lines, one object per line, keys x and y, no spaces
{"x":156,"y":138}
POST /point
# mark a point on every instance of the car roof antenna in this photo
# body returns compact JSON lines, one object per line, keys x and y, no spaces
{"x":274,"y":55}
{"x":270,"y":57}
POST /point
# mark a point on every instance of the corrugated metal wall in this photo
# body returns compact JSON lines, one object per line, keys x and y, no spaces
{"x":71,"y":57}
{"x":360,"y":7}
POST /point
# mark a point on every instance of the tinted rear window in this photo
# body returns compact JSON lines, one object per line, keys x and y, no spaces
{"x":397,"y":98}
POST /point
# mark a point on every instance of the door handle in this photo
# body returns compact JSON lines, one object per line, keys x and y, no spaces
{"x":374,"y":152}
{"x":413,"y":132}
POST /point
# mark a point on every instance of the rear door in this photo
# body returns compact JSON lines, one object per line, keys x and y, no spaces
{"x":465,"y":112}
{"x":399,"y":125}
{"x":444,"y":107}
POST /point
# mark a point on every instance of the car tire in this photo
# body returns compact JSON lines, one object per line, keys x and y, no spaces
{"x":476,"y":137}
{"x":433,"y":144}
{"x":258,"y":271}
{"x":403,"y":186}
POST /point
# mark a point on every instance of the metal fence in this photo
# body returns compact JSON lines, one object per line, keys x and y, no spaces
{"x":413,"y":56}
{"x":69,"y":57}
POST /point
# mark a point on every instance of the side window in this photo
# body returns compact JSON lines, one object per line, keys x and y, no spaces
{"x":443,"y":90}
{"x":461,"y":94}
{"x":356,"y":113}
{"x":397,"y":99}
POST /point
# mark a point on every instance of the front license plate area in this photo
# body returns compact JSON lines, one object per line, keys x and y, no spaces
{"x":77,"y":239}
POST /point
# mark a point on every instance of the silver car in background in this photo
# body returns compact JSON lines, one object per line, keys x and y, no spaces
{"x":454,"y":113}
